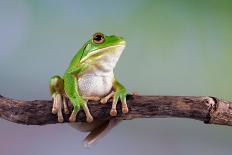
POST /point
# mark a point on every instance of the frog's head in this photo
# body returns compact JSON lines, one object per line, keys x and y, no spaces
{"x":104,"y":50}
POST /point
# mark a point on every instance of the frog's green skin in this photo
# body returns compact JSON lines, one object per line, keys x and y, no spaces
{"x":90,"y":77}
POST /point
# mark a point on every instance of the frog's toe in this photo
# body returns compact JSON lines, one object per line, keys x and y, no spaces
{"x":54,"y":110}
{"x":66,"y":110}
{"x":113,"y":112}
{"x":105,"y":99}
{"x":124,"y":106}
{"x":60,"y":119}
{"x":60,"y":115}
{"x":89,"y":117}
{"x":125,"y":110}
{"x":72,"y":118}
{"x":57,"y":107}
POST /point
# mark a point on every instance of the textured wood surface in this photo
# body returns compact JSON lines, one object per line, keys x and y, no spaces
{"x":207,"y":109}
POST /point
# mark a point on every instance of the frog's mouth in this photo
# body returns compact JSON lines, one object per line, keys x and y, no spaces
{"x":109,"y":54}
{"x":105,"y":59}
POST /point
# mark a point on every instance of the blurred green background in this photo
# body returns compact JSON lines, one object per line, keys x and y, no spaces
{"x":181,"y":47}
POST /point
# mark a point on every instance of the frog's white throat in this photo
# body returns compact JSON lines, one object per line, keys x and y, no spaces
{"x":104,"y":60}
{"x":97,"y":79}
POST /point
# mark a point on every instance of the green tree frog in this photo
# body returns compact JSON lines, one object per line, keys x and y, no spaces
{"x":90,"y":77}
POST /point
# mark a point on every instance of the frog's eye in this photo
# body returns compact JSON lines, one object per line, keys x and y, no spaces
{"x":98,"y":38}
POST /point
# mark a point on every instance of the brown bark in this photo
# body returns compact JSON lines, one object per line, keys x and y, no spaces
{"x":208,"y":109}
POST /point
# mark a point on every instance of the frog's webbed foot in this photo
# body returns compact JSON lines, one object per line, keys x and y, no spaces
{"x":122,"y":95}
{"x":116,"y":95}
{"x":83,"y":104}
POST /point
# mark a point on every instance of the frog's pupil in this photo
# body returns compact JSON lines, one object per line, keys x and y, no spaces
{"x":98,"y":37}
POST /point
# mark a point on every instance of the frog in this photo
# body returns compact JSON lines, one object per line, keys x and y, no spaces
{"x":90,"y":77}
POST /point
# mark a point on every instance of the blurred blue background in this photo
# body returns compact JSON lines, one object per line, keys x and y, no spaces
{"x":174,"y":48}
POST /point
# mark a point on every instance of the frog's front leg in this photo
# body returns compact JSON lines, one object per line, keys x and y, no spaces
{"x":83,"y":104}
{"x":119,"y":92}
{"x":56,"y":86}
{"x":71,"y":90}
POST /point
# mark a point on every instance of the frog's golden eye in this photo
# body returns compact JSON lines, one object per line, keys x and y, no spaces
{"x":98,"y":38}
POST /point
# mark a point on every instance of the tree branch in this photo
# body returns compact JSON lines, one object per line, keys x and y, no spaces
{"x":208,"y":109}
